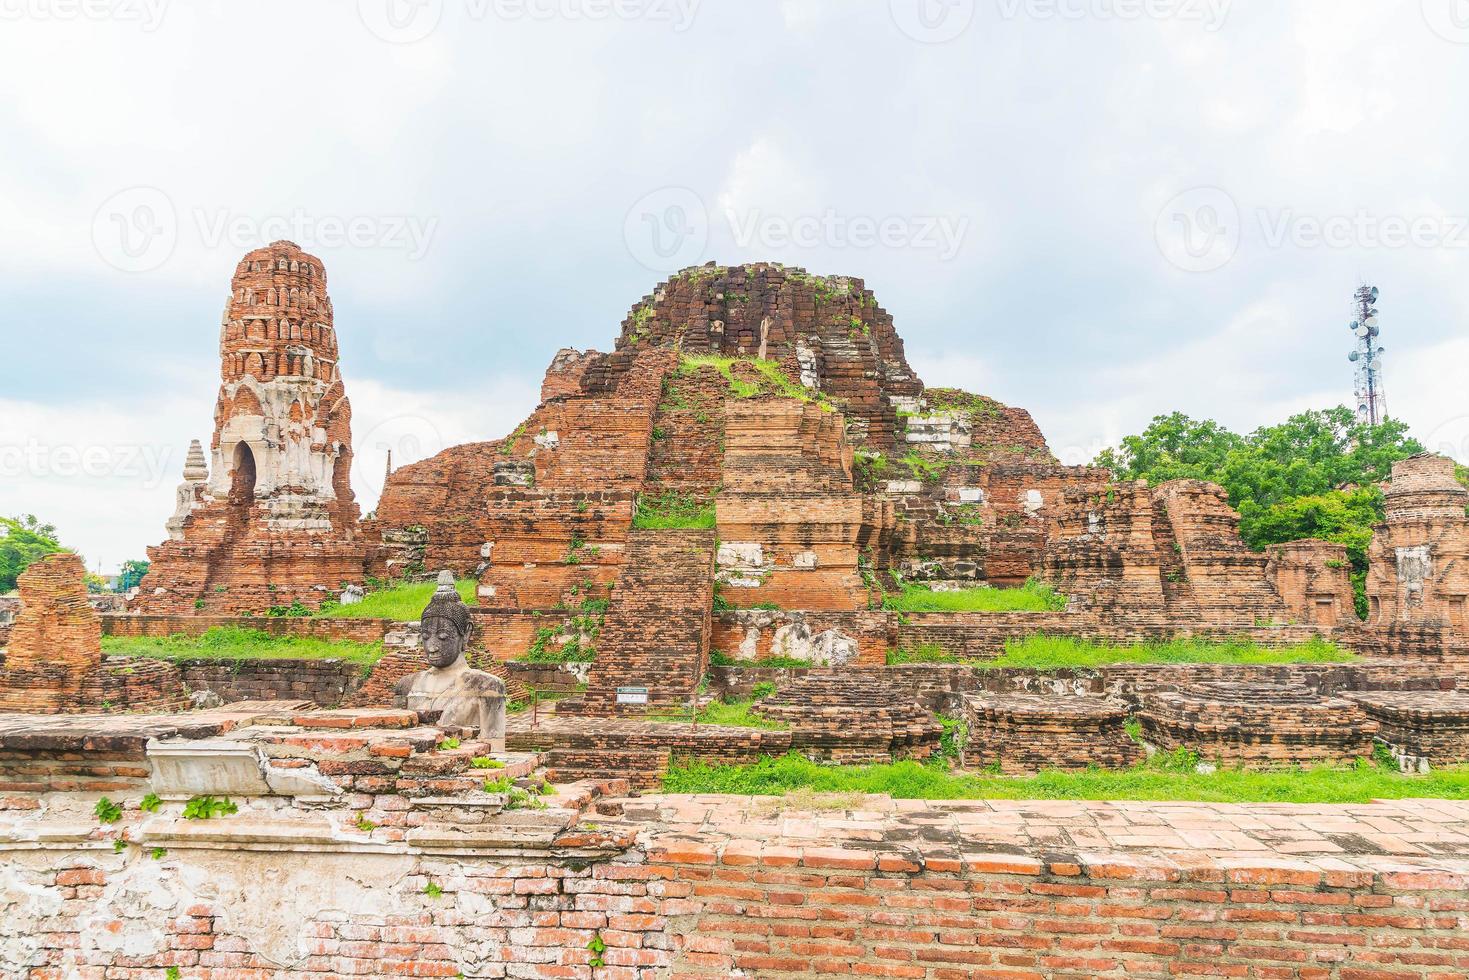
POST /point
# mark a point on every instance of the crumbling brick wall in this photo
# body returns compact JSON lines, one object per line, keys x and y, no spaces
{"x":1314,"y":581}
{"x":705,"y":907}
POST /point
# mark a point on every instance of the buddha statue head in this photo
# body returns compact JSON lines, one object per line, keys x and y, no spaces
{"x":445,"y":625}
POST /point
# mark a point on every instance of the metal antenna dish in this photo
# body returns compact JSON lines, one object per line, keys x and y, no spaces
{"x":1353,"y":325}
{"x":1374,"y":294}
{"x":1355,"y":355}
{"x":1371,"y":321}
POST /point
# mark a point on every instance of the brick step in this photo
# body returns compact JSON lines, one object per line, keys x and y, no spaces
{"x":643,"y":769}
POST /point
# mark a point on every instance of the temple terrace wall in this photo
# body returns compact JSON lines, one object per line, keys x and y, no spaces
{"x":722,"y":887}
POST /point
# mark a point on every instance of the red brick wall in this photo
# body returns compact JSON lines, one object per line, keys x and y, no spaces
{"x":690,"y":908}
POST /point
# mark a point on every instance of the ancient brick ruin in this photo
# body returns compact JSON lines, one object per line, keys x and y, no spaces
{"x":1022,"y":734}
{"x":1419,"y":559}
{"x":1260,"y":725}
{"x":717,"y":509}
{"x":53,"y":661}
{"x":273,"y":522}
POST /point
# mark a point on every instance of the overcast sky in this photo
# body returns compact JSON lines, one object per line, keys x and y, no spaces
{"x":1099,"y":210}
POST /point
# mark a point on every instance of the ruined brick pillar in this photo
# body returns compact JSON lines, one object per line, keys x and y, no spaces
{"x":57,"y":634}
{"x":1419,"y":559}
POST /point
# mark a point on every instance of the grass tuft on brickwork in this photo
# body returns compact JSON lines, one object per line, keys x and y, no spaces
{"x":773,"y":380}
{"x":1055,"y":652}
{"x":240,"y":643}
{"x":1164,"y":777}
{"x":672,"y":510}
{"x":1069,"y":653}
{"x":1033,"y":596}
{"x":733,"y":714}
{"x":404,"y":602}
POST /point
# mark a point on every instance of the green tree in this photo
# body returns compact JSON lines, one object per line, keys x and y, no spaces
{"x":1315,"y":475}
{"x":1173,"y":447}
{"x":25,"y":539}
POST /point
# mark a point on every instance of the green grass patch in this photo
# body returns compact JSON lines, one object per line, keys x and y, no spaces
{"x":734,"y":714}
{"x":1164,"y":777}
{"x":240,"y":643}
{"x":955,"y":400}
{"x":672,"y":510}
{"x":923,"y":653}
{"x":718,"y":658}
{"x":1055,"y":652}
{"x":1033,"y":596}
{"x":772,"y":381}
{"x":404,"y":602}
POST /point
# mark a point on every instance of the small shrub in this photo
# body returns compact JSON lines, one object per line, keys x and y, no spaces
{"x":764,"y":689}
{"x":597,"y":947}
{"x":485,"y":762}
{"x":150,"y":803}
{"x":209,"y":807}
{"x":107,"y":811}
{"x":432,"y":890}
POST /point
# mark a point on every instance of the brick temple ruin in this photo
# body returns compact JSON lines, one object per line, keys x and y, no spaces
{"x":271,"y":519}
{"x":716,"y":509}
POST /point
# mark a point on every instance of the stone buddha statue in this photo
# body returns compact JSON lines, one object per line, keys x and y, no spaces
{"x":462,"y":695}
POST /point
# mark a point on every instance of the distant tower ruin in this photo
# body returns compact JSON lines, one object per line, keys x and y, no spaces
{"x":1371,"y":395}
{"x":270,"y":519}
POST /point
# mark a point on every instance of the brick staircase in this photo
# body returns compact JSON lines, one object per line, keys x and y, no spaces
{"x":656,"y":632}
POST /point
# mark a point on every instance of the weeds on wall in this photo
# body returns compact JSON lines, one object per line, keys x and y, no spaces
{"x":1033,"y":596}
{"x":672,"y":510}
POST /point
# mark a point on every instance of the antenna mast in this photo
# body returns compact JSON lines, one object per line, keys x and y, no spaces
{"x":1371,"y":395}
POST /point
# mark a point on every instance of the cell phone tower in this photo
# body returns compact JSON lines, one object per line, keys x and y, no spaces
{"x":1371,"y":395}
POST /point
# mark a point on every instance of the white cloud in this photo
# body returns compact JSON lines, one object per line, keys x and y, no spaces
{"x":104,"y":472}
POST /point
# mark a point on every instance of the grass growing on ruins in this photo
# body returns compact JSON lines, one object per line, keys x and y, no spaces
{"x":404,"y":602}
{"x":1069,"y":653}
{"x":240,"y":643}
{"x":732,"y":714}
{"x":1164,"y":777}
{"x":1033,"y":596}
{"x":1056,"y":652}
{"x":672,"y":510}
{"x":772,"y":380}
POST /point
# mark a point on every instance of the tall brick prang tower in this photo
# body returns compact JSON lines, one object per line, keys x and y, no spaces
{"x":276,"y":522}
